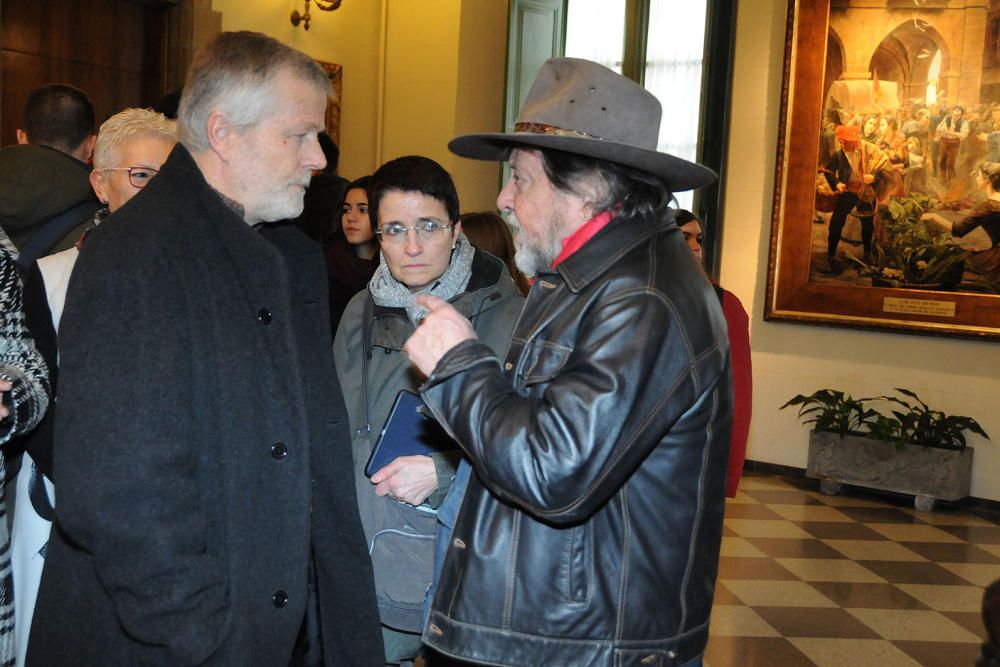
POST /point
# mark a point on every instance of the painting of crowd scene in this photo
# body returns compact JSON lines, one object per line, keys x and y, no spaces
{"x":908,"y":175}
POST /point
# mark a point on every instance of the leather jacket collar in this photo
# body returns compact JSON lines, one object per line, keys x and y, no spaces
{"x":603,"y":251}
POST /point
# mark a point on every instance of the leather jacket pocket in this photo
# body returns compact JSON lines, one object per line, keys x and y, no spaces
{"x":578,"y":564}
{"x":541,"y":361}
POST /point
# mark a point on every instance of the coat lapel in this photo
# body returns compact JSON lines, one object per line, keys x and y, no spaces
{"x":256,"y":274}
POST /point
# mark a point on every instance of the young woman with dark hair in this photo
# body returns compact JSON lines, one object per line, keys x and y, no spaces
{"x":352,"y":251}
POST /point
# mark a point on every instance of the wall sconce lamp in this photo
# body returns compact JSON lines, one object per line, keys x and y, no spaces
{"x":322,"y":5}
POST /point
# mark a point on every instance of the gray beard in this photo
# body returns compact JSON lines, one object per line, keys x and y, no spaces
{"x":532,"y":258}
{"x":285,"y":207}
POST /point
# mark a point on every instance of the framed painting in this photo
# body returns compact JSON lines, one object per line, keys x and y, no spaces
{"x":336,"y":75}
{"x":887,"y":187}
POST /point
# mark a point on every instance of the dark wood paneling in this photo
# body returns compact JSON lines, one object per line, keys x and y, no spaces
{"x":154,"y":55}
{"x":108,"y":32}
{"x":115,"y":50}
{"x":106,"y":87}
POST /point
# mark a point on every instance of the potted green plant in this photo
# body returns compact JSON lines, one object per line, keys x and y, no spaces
{"x":911,"y":256}
{"x":917,"y":423}
{"x":833,"y":411}
{"x":913,"y":449}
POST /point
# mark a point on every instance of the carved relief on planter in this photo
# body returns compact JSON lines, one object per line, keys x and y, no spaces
{"x":927,"y":471}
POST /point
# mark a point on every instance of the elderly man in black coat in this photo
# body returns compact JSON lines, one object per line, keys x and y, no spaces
{"x":206,"y":508}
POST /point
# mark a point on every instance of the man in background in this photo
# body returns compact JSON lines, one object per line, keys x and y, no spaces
{"x":852,"y":174}
{"x":45,"y":194}
{"x":206,"y":510}
{"x":951,"y":132}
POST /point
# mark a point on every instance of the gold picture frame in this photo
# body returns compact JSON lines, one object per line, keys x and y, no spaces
{"x":336,"y":75}
{"x":838,"y":48}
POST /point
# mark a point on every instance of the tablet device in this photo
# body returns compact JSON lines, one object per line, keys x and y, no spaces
{"x":408,"y":431}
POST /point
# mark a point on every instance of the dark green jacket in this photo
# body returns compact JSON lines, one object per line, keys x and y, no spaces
{"x":400,"y":536}
{"x":38,"y":183}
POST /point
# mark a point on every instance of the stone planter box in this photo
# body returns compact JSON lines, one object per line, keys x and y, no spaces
{"x":925,"y":472}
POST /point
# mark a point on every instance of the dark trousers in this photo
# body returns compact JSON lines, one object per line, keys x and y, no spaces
{"x":949,"y":155}
{"x":845,"y":204}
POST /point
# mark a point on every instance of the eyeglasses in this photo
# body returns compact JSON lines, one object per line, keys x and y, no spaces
{"x":137,"y":176}
{"x":427,"y":230}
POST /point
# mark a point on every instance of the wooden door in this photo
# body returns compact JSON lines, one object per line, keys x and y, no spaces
{"x":114,"y":50}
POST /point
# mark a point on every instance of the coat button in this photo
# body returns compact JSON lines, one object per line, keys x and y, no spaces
{"x":280,"y":599}
{"x":279,"y":450}
{"x":264,"y":316}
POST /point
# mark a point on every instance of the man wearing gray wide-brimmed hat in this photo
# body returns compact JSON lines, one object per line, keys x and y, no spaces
{"x":589,"y":533}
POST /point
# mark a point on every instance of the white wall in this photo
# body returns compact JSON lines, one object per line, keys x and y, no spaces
{"x":957,"y":376}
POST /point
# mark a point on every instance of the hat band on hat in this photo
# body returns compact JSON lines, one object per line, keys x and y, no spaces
{"x":542,"y":128}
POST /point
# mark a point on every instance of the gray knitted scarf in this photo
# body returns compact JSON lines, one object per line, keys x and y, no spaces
{"x":388,"y":292}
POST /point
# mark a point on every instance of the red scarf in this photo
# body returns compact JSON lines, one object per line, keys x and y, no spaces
{"x":577,"y":239}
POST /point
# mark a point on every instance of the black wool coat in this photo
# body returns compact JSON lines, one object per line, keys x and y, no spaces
{"x":202,"y":451}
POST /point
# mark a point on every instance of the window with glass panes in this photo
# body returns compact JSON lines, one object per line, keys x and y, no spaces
{"x":680,"y":50}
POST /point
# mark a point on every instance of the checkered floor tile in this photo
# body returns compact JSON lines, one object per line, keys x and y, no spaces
{"x":854,"y":580}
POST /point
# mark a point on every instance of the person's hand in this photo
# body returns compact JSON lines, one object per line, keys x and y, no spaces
{"x":868,"y":178}
{"x":441,"y":330}
{"x":411,"y":479}
{"x":5,"y":386}
{"x":935,"y":223}
{"x":841,"y":187}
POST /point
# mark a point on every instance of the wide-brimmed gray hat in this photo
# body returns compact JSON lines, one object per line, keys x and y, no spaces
{"x":580,"y":107}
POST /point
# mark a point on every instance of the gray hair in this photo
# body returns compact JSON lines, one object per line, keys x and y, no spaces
{"x":125,"y":125}
{"x":233,"y":74}
{"x":612,"y":186}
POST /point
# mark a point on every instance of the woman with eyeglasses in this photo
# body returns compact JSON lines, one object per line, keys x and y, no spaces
{"x":130,"y":149}
{"x":414,"y":213}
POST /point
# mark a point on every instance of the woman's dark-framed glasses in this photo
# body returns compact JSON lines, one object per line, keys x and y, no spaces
{"x":137,"y":176}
